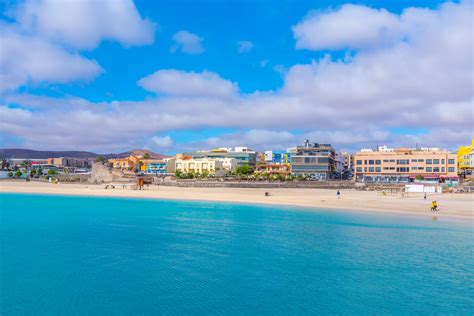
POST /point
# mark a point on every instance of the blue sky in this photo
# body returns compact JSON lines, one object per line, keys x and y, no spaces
{"x":326,"y":70}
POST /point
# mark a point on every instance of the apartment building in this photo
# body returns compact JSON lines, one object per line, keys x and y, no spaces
{"x":63,"y":162}
{"x":466,"y":158}
{"x":347,"y":165}
{"x":277,"y":157}
{"x":153,"y":166}
{"x":314,"y":160}
{"x":214,"y":167}
{"x":242,"y":155}
{"x":405,"y":165}
{"x":131,"y":162}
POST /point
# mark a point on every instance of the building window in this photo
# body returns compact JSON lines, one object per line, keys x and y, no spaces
{"x":442,"y":169}
{"x":442,"y":161}
{"x":371,"y":162}
{"x":378,"y":169}
{"x":359,"y":169}
{"x":429,"y":161}
{"x":450,"y":169}
{"x":359,"y":162}
{"x":429,"y":169}
{"x":451,"y":161}
{"x":420,"y":168}
{"x":371,"y":169}
{"x":377,"y":162}
{"x":436,"y":169}
{"x":365,"y":169}
{"x":436,"y":161}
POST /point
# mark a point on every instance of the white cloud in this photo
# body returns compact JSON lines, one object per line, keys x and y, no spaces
{"x":162,"y":141}
{"x":40,"y":46}
{"x":188,"y":84}
{"x":416,"y":72}
{"x":350,"y":26}
{"x":83,"y":24}
{"x":188,"y":42}
{"x":26,"y":59}
{"x":422,"y":82}
{"x":244,"y":46}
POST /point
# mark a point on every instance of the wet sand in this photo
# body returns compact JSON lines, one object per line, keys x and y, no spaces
{"x":452,"y":206}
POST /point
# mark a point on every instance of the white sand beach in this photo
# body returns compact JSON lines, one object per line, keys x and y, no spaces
{"x":453,"y":206}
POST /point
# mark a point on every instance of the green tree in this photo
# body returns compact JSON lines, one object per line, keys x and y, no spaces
{"x":51,"y":172}
{"x":101,"y":159}
{"x":40,"y":172}
{"x":32,"y":173}
{"x":244,"y":170}
{"x":419,"y":177}
{"x":10,"y":174}
{"x":18,"y":173}
{"x":26,"y":164}
{"x":146,"y":156}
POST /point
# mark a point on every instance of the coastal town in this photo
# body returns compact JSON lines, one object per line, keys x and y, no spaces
{"x":308,"y":162}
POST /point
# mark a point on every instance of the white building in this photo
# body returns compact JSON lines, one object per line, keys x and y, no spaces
{"x":339,"y":159}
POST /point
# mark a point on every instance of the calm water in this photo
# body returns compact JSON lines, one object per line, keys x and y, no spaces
{"x":79,"y":255}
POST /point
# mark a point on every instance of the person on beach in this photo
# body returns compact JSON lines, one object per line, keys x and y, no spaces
{"x":338,"y":194}
{"x":434,"y":206}
{"x":424,"y":196}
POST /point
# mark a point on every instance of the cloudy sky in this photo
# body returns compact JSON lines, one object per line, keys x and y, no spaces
{"x":112,"y":75}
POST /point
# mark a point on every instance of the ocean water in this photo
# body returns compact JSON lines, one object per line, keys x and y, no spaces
{"x":95,"y":256}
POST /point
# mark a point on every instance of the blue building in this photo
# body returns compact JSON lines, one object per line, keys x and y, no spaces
{"x":156,"y":168}
{"x":278,"y":157}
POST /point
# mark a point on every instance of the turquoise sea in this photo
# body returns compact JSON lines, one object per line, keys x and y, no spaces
{"x":101,"y":256}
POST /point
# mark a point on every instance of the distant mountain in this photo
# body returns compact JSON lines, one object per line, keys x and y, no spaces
{"x":141,"y":152}
{"x":44,"y":154}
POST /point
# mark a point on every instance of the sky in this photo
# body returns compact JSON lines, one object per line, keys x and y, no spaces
{"x":173,"y":76}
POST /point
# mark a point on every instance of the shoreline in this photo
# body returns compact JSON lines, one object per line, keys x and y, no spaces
{"x":458,"y":207}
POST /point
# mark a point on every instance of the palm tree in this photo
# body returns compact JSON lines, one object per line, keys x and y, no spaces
{"x":5,"y":163}
{"x":26,"y":164}
{"x":146,"y":156}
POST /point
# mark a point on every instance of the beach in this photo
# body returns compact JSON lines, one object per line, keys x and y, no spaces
{"x":452,"y":206}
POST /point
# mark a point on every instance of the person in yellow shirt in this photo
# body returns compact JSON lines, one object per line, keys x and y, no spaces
{"x":434,"y":206}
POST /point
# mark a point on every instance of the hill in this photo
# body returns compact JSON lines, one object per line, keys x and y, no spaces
{"x":44,"y":154}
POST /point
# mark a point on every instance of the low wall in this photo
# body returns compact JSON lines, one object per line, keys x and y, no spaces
{"x":72,"y":177}
{"x":261,"y":184}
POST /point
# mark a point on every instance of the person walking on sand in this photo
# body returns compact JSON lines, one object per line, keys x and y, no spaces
{"x":338,"y":194}
{"x":434,"y":206}
{"x":424,"y":196}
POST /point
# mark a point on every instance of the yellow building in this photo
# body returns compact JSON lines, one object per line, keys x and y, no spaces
{"x":200,"y":165}
{"x":405,"y":165}
{"x":465,"y":157}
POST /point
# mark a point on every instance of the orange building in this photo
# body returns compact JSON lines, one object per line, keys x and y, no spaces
{"x":131,"y":162}
{"x":405,"y":165}
{"x":283,"y":169}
